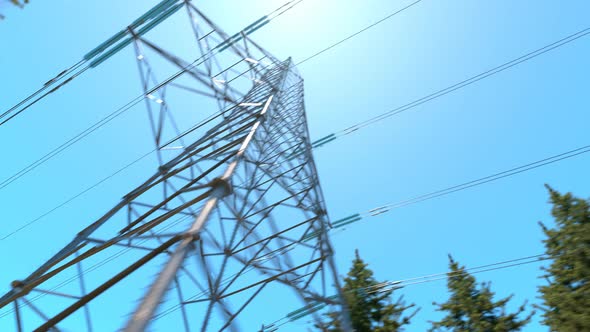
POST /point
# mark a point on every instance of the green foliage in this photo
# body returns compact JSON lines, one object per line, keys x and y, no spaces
{"x":567,"y":296}
{"x":370,"y":311}
{"x":18,"y":3}
{"x":471,"y":308}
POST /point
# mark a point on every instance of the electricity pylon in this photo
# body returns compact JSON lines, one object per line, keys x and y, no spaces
{"x":232,"y":221}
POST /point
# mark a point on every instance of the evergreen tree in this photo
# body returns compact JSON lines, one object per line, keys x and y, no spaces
{"x":370,"y":311}
{"x":567,"y":296}
{"x":471,"y":309}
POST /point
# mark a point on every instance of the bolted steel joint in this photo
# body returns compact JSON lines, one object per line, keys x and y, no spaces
{"x":227,"y":251}
{"x":262,"y":117}
{"x":18,"y":285}
{"x":221,"y":187}
{"x":164,"y":169}
{"x":191,"y":237}
{"x":320,"y":212}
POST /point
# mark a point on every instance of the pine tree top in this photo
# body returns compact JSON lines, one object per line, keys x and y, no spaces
{"x":471,"y":307}
{"x":567,"y":296}
{"x":371,"y":309}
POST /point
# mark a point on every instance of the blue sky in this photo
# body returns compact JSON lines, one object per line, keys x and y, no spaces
{"x":529,"y":112}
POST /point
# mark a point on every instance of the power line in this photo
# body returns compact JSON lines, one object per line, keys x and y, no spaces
{"x":339,"y":224}
{"x":64,"y":203}
{"x":56,"y":151}
{"x":397,"y":282}
{"x":117,"y":113}
{"x":493,"y":177}
{"x":460,"y":187}
{"x":389,"y":285}
{"x":319,"y":142}
{"x":149,"y":20}
{"x":68,"y":144}
{"x":372,"y":212}
{"x":154,"y":16}
{"x":477,"y":269}
{"x":358,"y":32}
{"x":45,"y":86}
{"x":490,"y":72}
{"x":331,"y":137}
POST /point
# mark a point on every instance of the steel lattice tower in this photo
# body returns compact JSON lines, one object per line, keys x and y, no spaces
{"x":234,"y":210}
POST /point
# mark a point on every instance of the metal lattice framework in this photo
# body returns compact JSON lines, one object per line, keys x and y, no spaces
{"x":235,"y":210}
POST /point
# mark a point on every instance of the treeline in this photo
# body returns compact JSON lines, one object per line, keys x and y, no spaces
{"x":471,"y":306}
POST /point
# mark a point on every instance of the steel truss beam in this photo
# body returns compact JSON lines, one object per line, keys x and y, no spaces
{"x":244,"y":175}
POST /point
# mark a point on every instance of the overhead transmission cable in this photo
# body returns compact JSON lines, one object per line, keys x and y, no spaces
{"x":356,"y":217}
{"x":386,"y":286}
{"x":99,"y":54}
{"x":145,"y":155}
{"x":149,"y":20}
{"x":319,"y":142}
{"x":372,"y":212}
{"x":329,"y":138}
{"x":56,"y":151}
{"x":490,"y":72}
{"x":399,"y":282}
{"x":380,"y":287}
{"x":47,"y":85}
{"x":67,"y":201}
{"x":263,"y":21}
{"x":460,"y":187}
{"x":358,"y":32}
{"x":339,"y":224}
